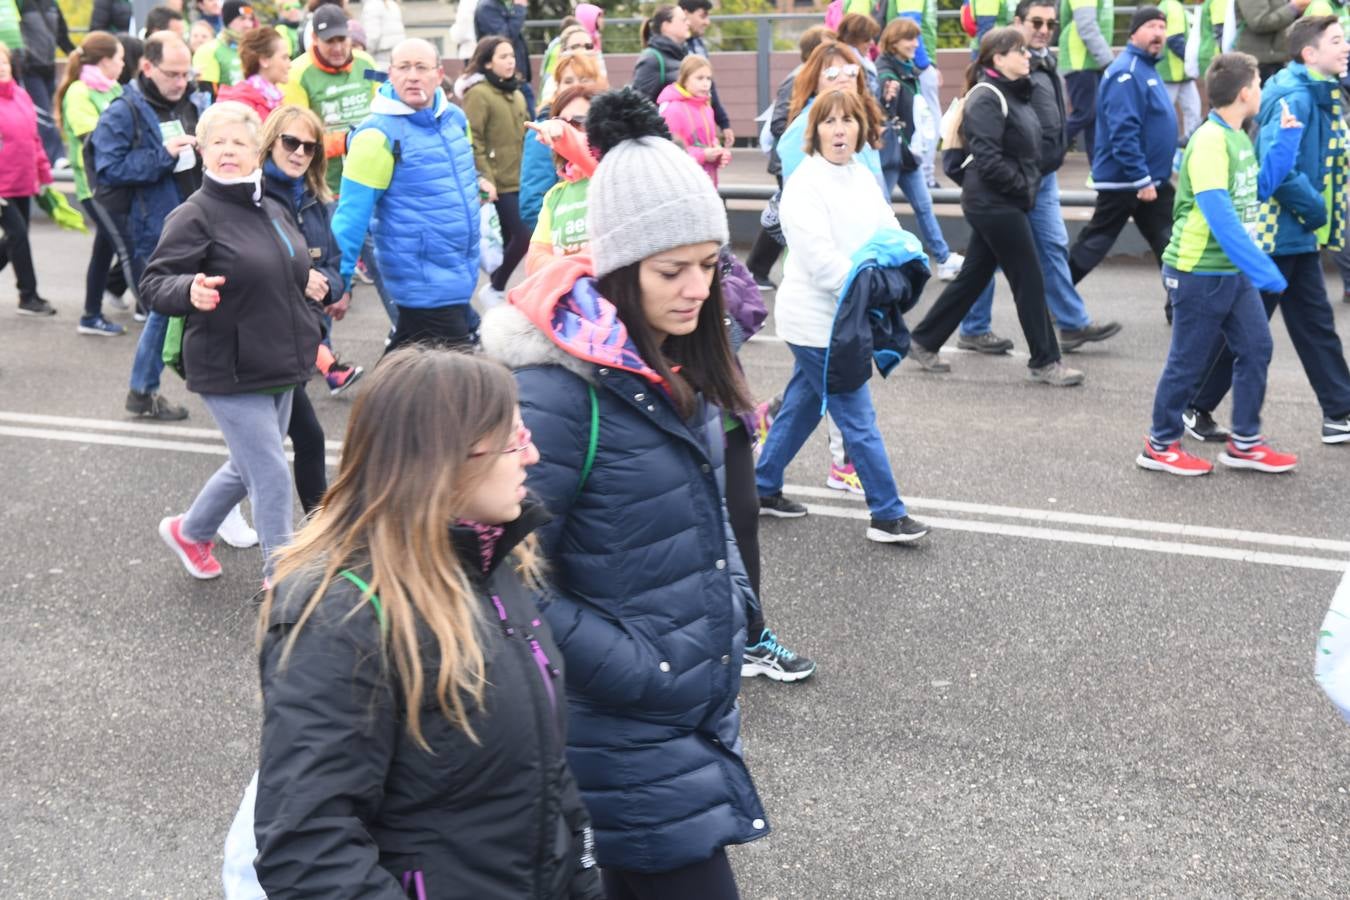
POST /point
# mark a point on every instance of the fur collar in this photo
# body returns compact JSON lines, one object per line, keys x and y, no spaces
{"x":512,"y":339}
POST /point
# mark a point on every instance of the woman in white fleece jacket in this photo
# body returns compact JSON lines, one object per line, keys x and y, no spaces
{"x":829,"y":210}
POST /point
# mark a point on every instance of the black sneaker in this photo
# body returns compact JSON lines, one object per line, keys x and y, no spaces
{"x":1201,"y":426}
{"x":771,"y":659}
{"x":1336,"y":431}
{"x":35,"y":306}
{"x":896,"y":531}
{"x":781,"y":507}
{"x":1071,"y":339}
{"x":764,"y":284}
{"x":153,"y":406}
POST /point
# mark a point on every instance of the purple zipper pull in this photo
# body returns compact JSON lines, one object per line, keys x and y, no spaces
{"x":501,"y":614}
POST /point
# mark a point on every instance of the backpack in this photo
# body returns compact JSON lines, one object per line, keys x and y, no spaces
{"x":660,"y":61}
{"x":954,"y":155}
{"x":116,"y":200}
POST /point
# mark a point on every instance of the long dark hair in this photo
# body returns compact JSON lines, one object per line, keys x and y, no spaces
{"x":998,"y":42}
{"x":703,"y":356}
{"x":482,"y":54}
{"x":652,"y":26}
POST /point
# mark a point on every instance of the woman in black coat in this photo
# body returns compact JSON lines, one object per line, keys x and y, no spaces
{"x":414,"y":719}
{"x":664,"y":47}
{"x":1002,"y":136}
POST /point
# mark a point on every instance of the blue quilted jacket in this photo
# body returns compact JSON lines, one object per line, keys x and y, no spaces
{"x":650,"y":589}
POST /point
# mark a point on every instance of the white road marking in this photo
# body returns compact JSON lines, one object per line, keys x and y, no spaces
{"x":1107,"y":540}
{"x":1206,"y":532}
{"x":206,"y":441}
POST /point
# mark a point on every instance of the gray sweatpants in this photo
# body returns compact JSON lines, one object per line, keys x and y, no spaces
{"x":254,"y":426}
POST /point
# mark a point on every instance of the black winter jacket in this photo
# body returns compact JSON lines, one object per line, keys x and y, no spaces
{"x":1047,"y":99}
{"x":349,"y":806}
{"x":1005,"y":169}
{"x":778,"y":122}
{"x":264,"y":334}
{"x":43,"y":28}
{"x":316,"y":225}
{"x":111,"y":15}
{"x":899,"y":112}
{"x":658,"y":65}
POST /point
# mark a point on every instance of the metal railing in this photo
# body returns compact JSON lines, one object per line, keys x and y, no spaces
{"x":762,"y":192}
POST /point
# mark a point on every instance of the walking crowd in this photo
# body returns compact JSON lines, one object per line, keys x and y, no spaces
{"x":500,"y":657}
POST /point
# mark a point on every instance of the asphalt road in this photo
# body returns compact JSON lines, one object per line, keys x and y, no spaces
{"x":1072,"y":689}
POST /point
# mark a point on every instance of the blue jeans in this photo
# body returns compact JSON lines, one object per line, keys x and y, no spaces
{"x":149,"y":360}
{"x":1206,"y":311}
{"x":852,"y":412}
{"x":1052,"y":248}
{"x":915,"y":189}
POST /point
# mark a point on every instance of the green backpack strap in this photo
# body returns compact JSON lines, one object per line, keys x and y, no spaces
{"x":660,"y":61}
{"x":592,"y":444}
{"x":367,"y":593}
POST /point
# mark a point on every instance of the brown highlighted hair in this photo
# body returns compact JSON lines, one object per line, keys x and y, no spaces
{"x":858,"y":30}
{"x":899,"y":29}
{"x":998,"y":42}
{"x":804,"y":88}
{"x":282,"y":120}
{"x":406,"y":473}
{"x":691,"y":64}
{"x":255,"y":45}
{"x":96,"y":47}
{"x":840,"y":102}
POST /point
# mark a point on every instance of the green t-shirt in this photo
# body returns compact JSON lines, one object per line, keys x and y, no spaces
{"x":562,"y":218}
{"x":340,"y":98}
{"x":218,"y":61}
{"x":80,"y":109}
{"x":1217,"y":158}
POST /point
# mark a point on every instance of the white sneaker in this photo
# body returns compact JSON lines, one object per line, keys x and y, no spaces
{"x":950,"y":267}
{"x":236,"y":532}
{"x":114,"y":300}
{"x":489,"y":296}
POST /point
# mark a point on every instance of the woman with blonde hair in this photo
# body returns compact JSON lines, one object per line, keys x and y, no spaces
{"x":413,"y":710}
{"x":90,"y":84}
{"x":232,"y":262}
{"x":686,"y":105}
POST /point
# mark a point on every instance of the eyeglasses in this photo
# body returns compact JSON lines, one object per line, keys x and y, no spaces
{"x":292,"y":144}
{"x":408,"y":68}
{"x":172,"y":76}
{"x":523,"y":442}
{"x":576,"y":47}
{"x":834,"y":72}
{"x":577,"y":122}
{"x":1037,"y":23}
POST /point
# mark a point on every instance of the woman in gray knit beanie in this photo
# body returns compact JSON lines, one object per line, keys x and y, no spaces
{"x":624,"y":369}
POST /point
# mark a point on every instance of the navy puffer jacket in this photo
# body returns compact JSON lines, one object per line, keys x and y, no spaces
{"x":649,"y":608}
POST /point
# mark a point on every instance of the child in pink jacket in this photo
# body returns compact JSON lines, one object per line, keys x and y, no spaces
{"x":686,"y":105}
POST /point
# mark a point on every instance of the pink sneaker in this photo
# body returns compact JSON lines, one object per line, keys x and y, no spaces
{"x":844,"y":478}
{"x":195,"y":555}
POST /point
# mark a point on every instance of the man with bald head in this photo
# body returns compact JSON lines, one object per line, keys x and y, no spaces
{"x":145,"y":164}
{"x":410,"y":168}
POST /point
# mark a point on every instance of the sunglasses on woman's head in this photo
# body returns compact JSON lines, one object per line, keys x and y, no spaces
{"x":833,"y":72}
{"x":292,"y":144}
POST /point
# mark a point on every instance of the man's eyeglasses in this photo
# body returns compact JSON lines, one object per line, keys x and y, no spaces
{"x":523,"y":443}
{"x":172,"y":76}
{"x":409,"y":68}
{"x":292,"y":144}
{"x":834,"y":72}
{"x":1037,"y":23}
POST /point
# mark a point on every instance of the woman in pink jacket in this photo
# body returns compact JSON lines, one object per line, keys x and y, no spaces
{"x":23,"y":171}
{"x":686,"y":105}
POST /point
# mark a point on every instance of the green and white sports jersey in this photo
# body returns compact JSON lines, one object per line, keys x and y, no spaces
{"x":1217,"y":158}
{"x":562,"y":218}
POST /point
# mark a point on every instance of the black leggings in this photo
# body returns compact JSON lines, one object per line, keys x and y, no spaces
{"x":711,"y":879}
{"x":306,"y":434}
{"x":515,"y":237}
{"x":14,"y":249}
{"x":743,"y":511}
{"x":100,"y":263}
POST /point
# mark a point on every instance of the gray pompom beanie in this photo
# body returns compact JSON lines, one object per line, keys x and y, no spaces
{"x":648,"y":195}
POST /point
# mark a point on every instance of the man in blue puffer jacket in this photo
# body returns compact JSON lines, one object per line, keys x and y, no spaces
{"x":1132,"y":153}
{"x":1307,"y":213}
{"x":410,"y":165}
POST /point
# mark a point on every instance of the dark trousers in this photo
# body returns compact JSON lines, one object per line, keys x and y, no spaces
{"x":711,"y":879}
{"x":1112,"y":211}
{"x":118,"y":275}
{"x":1266,"y":70}
{"x":100,"y":263}
{"x":41,"y":86}
{"x":763,"y":255}
{"x":743,"y":511}
{"x":1207,"y":311}
{"x":1082,"y":90}
{"x":515,"y":238}
{"x":306,"y":434}
{"x":451,"y":326}
{"x":1312,"y":329}
{"x":14,"y":250}
{"x":1001,"y":239}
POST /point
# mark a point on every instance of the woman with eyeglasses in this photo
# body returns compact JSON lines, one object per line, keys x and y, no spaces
{"x":561,"y":229}
{"x":495,"y":107}
{"x":414,"y":715}
{"x":573,"y":41}
{"x":1002,"y":175}
{"x":831,"y":67}
{"x":232,"y":262}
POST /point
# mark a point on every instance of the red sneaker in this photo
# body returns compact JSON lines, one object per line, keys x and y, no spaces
{"x":1173,"y":460}
{"x":1261,"y":458}
{"x":195,"y":555}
